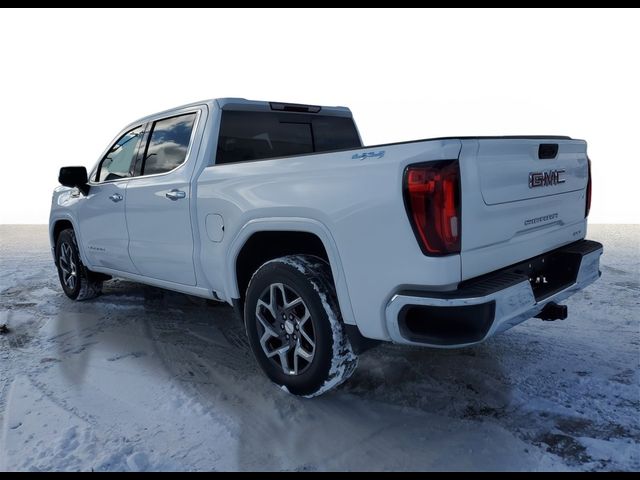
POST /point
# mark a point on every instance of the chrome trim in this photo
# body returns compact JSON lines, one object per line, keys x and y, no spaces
{"x":514,"y":304}
{"x":175,"y":194}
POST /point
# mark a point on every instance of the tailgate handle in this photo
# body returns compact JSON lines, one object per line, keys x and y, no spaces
{"x":547,"y":150}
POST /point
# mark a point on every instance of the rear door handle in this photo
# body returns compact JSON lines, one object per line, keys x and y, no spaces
{"x":175,"y":194}
{"x":116,"y":197}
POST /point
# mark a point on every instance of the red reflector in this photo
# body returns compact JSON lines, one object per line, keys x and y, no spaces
{"x":432,"y":198}
{"x":588,"y":206}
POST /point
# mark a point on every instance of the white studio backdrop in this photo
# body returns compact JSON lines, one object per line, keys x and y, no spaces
{"x":70,"y":79}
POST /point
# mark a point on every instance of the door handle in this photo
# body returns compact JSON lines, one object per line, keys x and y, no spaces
{"x":175,"y":194}
{"x":116,"y":197}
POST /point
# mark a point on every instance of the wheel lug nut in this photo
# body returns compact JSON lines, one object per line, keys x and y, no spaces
{"x":287,"y":336}
{"x":284,"y":316}
{"x":294,"y":336}
{"x":297,"y":327}
{"x":290,"y":317}
{"x":282,"y":326}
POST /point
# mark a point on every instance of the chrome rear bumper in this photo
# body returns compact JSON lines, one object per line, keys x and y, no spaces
{"x":491,"y":304}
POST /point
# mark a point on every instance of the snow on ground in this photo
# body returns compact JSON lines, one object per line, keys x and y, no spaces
{"x":144,"y":379}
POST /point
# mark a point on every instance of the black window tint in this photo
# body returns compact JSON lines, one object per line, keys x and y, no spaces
{"x":118,"y":162}
{"x":334,"y":133}
{"x":259,"y":135}
{"x":168,"y":144}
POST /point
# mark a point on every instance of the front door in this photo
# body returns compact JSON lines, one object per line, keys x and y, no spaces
{"x":157,"y":203}
{"x":101,"y":214}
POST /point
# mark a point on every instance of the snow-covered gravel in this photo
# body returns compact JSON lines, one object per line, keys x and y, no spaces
{"x":144,"y":379}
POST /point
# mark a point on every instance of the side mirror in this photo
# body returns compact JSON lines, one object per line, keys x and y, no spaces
{"x":74,"y":177}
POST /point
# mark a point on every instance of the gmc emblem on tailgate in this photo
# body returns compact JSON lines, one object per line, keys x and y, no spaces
{"x":545,"y":179}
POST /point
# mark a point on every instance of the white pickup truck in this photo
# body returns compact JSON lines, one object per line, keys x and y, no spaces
{"x":325,"y":246}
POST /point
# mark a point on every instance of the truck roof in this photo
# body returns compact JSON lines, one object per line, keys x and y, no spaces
{"x":232,"y":103}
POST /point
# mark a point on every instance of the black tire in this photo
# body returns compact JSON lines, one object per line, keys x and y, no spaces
{"x":308,"y":278}
{"x":77,"y":281}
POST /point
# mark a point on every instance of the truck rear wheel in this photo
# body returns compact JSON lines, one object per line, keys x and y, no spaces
{"x":295,"y":328}
{"x":78,"y":282}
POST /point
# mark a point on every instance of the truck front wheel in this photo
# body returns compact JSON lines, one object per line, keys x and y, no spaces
{"x":78,"y":282}
{"x":295,"y":328}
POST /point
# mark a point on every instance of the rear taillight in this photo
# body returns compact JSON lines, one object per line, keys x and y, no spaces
{"x":588,"y":205}
{"x":432,"y":198}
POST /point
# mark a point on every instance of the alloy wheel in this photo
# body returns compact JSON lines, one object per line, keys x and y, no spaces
{"x":68,"y":266}
{"x":287,"y":335}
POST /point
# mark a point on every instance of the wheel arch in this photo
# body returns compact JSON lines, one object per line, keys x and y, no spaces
{"x":317,"y":240}
{"x":56,"y":226}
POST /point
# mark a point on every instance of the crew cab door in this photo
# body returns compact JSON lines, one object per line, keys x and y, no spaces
{"x":158,"y":201}
{"x":101,"y":214}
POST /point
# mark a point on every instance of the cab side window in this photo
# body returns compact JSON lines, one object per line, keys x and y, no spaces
{"x":120,"y":159}
{"x":168,"y":144}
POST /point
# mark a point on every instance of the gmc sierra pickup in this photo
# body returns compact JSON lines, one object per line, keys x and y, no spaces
{"x":325,"y":246}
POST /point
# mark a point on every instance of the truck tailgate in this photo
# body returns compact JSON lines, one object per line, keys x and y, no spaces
{"x":520,"y":197}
